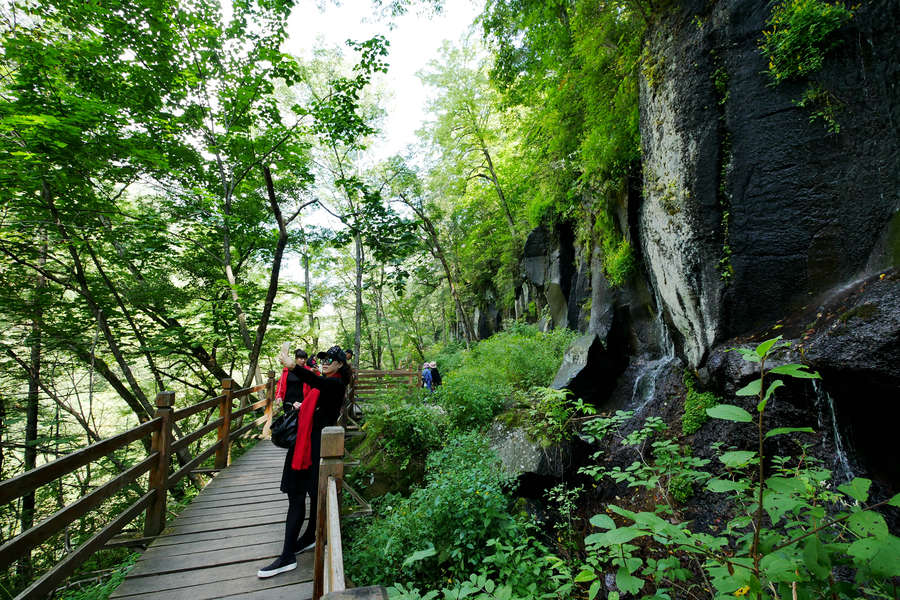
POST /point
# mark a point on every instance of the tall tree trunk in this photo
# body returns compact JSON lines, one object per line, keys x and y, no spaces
{"x":499,"y":189}
{"x":307,"y":295}
{"x":437,"y":251}
{"x":33,"y":402}
{"x":359,"y":258}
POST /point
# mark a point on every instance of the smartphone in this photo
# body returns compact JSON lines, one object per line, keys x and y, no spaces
{"x":286,"y":347}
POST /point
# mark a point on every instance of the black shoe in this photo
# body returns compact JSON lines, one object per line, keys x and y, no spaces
{"x":279,"y":566}
{"x":304,"y":544}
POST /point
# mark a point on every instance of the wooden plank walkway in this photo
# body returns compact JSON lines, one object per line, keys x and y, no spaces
{"x":234,"y":527}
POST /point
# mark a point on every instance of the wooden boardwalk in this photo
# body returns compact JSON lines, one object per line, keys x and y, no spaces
{"x":214,"y":548}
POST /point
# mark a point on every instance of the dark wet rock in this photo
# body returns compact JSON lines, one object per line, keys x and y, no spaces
{"x":806,"y":209}
{"x":851,"y":336}
{"x":520,"y":455}
{"x":861,"y":335}
{"x":588,"y":370}
{"x":855,"y":346}
{"x":536,"y":256}
{"x":487,"y":321}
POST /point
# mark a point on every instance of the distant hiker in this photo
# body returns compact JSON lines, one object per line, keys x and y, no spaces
{"x":427,"y":381}
{"x":435,"y":375}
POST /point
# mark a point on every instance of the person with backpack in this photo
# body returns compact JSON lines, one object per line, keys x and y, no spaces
{"x":427,"y":381}
{"x":435,"y":375}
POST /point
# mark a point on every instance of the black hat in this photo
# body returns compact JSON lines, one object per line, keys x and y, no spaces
{"x":334,"y":352}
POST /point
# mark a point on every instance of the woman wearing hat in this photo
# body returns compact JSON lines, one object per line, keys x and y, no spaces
{"x":321,"y":406}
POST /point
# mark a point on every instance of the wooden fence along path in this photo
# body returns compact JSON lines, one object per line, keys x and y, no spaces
{"x":233,"y":528}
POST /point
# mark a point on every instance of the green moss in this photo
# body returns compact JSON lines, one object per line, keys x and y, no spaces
{"x":512,"y":418}
{"x":866,"y":312}
{"x":695,"y":405}
{"x":652,"y":67}
{"x":681,"y":488}
{"x":720,"y":81}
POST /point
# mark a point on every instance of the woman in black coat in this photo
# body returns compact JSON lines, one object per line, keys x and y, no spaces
{"x":322,"y":399}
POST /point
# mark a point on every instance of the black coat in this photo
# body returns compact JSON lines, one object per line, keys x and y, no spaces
{"x":328,"y":409}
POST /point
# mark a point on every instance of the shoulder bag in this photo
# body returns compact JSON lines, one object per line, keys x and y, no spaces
{"x":284,"y":430}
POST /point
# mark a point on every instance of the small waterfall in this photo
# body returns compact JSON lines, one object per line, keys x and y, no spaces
{"x":645,"y":383}
{"x":825,"y":404}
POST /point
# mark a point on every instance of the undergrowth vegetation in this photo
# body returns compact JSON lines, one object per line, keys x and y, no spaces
{"x":790,"y":532}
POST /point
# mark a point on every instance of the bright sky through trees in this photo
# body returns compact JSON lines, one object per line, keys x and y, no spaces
{"x":414,"y":41}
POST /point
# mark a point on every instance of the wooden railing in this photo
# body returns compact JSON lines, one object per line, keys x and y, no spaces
{"x":153,"y":501}
{"x":370,"y":382}
{"x":329,"y":581}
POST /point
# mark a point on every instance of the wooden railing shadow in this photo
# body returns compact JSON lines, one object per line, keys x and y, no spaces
{"x":153,"y":501}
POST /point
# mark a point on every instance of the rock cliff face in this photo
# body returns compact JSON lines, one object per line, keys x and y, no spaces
{"x":749,"y":209}
{"x":752,"y":211}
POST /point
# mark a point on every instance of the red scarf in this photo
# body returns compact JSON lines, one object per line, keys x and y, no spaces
{"x":303,"y":446}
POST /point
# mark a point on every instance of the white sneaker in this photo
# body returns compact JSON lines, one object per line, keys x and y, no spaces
{"x":275,"y":568}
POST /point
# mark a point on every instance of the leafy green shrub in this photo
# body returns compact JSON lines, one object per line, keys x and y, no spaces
{"x":449,"y":357}
{"x":551,"y":414}
{"x":471,"y":401}
{"x":519,"y":358}
{"x":618,"y":260}
{"x":798,"y":35}
{"x":695,"y":405}
{"x":406,"y":423}
{"x":522,"y":356}
{"x":441,"y":531}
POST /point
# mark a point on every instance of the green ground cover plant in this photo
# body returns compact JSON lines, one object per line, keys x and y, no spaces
{"x":443,"y":530}
{"x":790,"y":535}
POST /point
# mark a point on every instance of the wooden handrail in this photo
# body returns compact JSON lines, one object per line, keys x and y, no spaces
{"x":15,"y":548}
{"x":29,"y":481}
{"x":163,"y":448}
{"x":328,"y":522}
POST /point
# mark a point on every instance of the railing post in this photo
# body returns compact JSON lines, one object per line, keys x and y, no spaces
{"x":224,"y":451}
{"x":270,"y":399}
{"x":330,"y":465}
{"x":155,"y":520}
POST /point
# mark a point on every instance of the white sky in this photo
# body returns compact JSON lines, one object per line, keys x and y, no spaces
{"x":413,"y":42}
